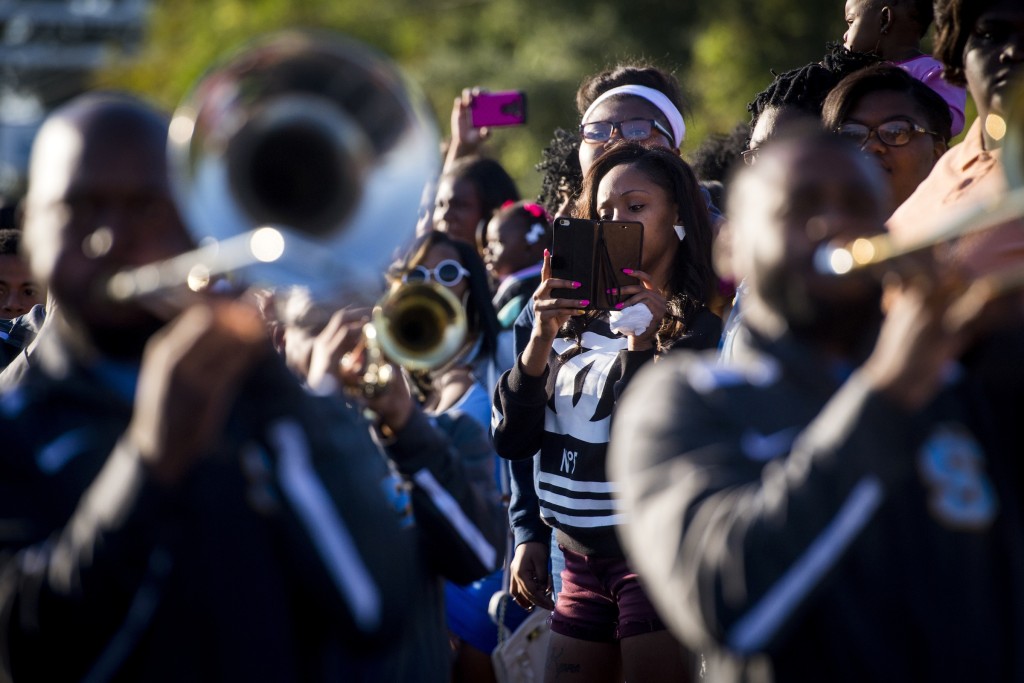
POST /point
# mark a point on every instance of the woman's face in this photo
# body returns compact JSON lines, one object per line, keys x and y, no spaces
{"x":627,"y":194}
{"x":616,"y":110}
{"x":994,"y":56}
{"x":442,"y":252}
{"x":906,"y":166}
{"x":457,"y":210}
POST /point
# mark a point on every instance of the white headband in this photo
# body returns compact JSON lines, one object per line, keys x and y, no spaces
{"x":655,"y":97}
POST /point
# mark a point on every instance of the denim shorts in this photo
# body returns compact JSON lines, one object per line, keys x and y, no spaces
{"x":602,"y":601}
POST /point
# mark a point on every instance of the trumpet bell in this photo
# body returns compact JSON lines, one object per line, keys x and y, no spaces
{"x":420,"y":326}
{"x":318,"y":140}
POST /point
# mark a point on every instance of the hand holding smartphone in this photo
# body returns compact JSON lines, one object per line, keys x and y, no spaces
{"x":594,"y":254}
{"x":490,"y":109}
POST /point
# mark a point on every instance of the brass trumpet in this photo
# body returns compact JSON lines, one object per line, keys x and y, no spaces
{"x":420,"y":326}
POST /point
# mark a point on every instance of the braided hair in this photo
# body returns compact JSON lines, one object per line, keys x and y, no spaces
{"x":806,"y":87}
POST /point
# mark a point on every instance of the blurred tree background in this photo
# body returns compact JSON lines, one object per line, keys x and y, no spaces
{"x":722,"y":51}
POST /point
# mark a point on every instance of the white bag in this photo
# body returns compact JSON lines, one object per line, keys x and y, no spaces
{"x":520,"y":657}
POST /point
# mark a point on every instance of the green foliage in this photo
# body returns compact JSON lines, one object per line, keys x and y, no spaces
{"x":721,"y":51}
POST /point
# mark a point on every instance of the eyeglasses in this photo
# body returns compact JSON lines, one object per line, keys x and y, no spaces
{"x":448,"y":273}
{"x":750,"y":155}
{"x":891,"y":133}
{"x":634,"y":129}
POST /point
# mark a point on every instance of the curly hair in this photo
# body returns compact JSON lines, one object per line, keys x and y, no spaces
{"x":806,"y":87}
{"x":692,"y":280}
{"x":561,"y":175}
{"x":719,"y":154}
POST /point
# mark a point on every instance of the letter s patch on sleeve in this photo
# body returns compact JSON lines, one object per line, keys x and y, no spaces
{"x":952,"y":467}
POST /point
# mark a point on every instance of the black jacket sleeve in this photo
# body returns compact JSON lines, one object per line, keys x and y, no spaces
{"x":721,"y":540}
{"x":457,"y":505}
{"x":88,"y":539}
{"x":521,"y":401}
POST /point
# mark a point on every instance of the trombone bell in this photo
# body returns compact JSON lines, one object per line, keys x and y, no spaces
{"x":316,"y":137}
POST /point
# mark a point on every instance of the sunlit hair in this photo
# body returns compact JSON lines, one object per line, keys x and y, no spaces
{"x":954,"y":21}
{"x":480,"y":315}
{"x":10,"y":242}
{"x":561,"y":175}
{"x":637,"y":73}
{"x":560,"y":163}
{"x":692,"y":281}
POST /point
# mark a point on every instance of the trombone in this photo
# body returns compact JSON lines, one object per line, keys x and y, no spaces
{"x":301,"y":162}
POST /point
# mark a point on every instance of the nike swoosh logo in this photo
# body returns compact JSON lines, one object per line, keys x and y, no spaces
{"x":763,"y":447}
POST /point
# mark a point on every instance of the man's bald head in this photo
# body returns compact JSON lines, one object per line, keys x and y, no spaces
{"x":804,"y":191}
{"x":99,"y":201}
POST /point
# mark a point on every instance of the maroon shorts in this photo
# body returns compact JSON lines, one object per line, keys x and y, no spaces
{"x":602,"y":601}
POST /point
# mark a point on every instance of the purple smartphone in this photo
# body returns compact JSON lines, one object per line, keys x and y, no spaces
{"x":507,"y":108}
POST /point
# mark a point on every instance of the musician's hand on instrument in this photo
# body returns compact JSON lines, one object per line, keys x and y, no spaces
{"x":342,"y":334}
{"x":191,"y":371}
{"x":915,"y":345}
{"x":340,"y":359}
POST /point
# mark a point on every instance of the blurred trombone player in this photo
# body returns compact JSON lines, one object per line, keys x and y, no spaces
{"x":173,"y":505}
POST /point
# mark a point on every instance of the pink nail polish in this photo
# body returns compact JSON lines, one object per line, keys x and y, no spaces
{"x":620,"y":305}
{"x":584,"y":302}
{"x":577,"y":285}
{"x":627,"y":271}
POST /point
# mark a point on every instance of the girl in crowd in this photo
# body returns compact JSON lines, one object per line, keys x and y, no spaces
{"x":559,"y":397}
{"x":896,"y":118}
{"x":636,"y":102}
{"x":460,"y":389}
{"x":469,"y":191}
{"x":893,"y":31}
{"x":517,"y":236}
